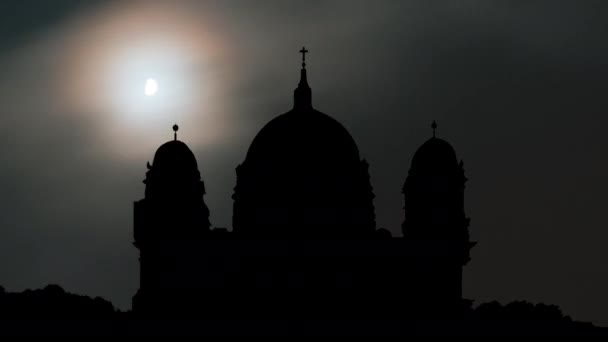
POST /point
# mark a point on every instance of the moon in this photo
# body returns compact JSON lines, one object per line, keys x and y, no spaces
{"x":151,"y":87}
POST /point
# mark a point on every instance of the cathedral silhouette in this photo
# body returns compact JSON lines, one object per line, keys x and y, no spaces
{"x":304,"y":241}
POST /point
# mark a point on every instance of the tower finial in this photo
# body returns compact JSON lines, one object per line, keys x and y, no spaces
{"x":434,"y":127}
{"x":302,"y":94}
{"x":175,"y":129}
{"x":303,"y":52}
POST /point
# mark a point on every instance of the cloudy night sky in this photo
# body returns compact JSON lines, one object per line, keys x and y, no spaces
{"x":517,"y":87}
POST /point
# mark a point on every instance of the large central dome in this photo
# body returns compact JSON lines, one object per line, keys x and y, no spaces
{"x":303,"y":134}
{"x":302,"y":177}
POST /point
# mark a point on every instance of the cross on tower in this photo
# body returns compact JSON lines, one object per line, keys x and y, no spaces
{"x":303,"y":52}
{"x":175,"y":128}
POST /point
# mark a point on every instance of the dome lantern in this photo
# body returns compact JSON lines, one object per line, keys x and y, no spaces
{"x":302,"y":96}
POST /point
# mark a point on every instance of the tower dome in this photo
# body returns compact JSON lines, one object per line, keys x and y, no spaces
{"x":434,"y":195}
{"x":174,"y":173}
{"x":303,"y":177}
{"x":435,"y":155}
{"x":175,"y":156}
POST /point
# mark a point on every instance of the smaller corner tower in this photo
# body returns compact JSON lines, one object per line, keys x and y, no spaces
{"x":435,"y":221}
{"x":168,"y":224}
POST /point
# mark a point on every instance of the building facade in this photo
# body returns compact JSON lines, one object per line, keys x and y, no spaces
{"x":304,"y":241}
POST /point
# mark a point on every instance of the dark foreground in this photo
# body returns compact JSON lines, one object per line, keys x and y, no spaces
{"x":54,"y":312}
{"x":134,"y":327}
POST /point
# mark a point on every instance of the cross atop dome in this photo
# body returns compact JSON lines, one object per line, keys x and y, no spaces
{"x":434,"y":127}
{"x":303,"y":94}
{"x":304,"y":51}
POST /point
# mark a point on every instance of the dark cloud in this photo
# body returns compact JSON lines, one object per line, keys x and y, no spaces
{"x":22,"y":20}
{"x":517,"y":87}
